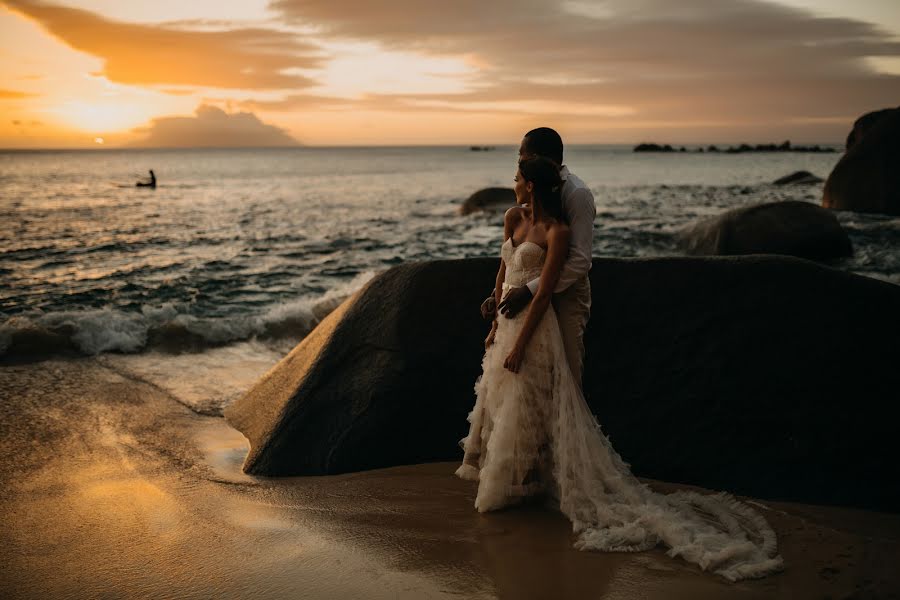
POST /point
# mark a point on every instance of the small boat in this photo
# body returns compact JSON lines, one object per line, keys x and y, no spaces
{"x":151,"y":183}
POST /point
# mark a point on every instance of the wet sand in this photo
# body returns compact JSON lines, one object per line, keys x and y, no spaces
{"x":112,"y":488}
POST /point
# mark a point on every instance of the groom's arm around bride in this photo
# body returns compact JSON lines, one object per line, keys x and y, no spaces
{"x":572,"y":294}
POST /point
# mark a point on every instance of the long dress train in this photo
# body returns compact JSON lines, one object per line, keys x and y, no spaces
{"x":532,"y":432}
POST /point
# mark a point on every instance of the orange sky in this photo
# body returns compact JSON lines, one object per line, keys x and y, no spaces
{"x":319,"y":72}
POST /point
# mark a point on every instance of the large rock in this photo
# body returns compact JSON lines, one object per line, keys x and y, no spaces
{"x":793,"y":228}
{"x":767,"y":376}
{"x":867,"y":178}
{"x":495,"y":198}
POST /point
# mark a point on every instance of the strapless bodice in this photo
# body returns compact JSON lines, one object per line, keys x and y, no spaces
{"x":523,"y":262}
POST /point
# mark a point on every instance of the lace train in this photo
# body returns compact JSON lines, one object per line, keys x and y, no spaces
{"x":533,"y":432}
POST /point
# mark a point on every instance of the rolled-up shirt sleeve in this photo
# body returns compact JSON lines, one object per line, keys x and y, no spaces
{"x":580,"y":211}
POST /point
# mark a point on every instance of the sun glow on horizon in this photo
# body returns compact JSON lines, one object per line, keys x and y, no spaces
{"x":106,"y":117}
{"x":78,"y":71}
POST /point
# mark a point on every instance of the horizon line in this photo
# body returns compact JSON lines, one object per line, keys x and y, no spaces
{"x":704,"y":145}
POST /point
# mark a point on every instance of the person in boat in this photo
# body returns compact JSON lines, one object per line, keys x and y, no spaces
{"x":151,"y":183}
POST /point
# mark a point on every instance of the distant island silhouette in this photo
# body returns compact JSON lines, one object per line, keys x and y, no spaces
{"x":783,"y":147}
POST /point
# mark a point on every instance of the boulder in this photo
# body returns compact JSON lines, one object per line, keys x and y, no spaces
{"x":798,"y":178}
{"x":863,"y":124}
{"x":494,"y":198}
{"x":766,"y":376}
{"x":793,"y":228}
{"x":867,"y":178}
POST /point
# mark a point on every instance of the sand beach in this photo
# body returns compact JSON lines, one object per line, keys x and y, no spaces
{"x":112,"y":488}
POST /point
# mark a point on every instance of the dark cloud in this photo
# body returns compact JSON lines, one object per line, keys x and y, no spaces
{"x":249,"y":58}
{"x":735,"y":62}
{"x":657,"y":37}
{"x":213,"y":127}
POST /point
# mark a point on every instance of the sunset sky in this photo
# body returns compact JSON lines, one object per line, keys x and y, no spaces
{"x":334,"y":72}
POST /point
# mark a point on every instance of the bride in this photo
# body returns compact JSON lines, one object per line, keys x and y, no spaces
{"x":532,"y":433}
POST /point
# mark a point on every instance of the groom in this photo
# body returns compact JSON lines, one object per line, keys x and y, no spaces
{"x":572,"y":296}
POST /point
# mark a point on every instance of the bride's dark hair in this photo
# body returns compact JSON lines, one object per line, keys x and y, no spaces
{"x":544,"y":174}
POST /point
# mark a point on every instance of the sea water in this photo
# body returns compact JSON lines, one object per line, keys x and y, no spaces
{"x":238,"y":246}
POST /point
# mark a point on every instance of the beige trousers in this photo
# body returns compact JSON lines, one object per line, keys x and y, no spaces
{"x":573,"y":308}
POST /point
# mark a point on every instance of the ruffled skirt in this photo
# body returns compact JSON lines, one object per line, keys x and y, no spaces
{"x":532,"y":434}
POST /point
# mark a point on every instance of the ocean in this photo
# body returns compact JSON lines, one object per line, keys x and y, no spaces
{"x":239,"y":253}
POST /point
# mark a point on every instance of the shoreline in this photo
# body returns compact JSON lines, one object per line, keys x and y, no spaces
{"x":112,"y":486}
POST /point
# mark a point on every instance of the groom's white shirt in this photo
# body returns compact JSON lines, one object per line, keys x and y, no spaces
{"x":580,"y":210}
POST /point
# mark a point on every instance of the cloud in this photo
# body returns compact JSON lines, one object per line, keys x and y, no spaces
{"x":213,"y":127}
{"x":296,"y":102}
{"x":661,"y":38}
{"x":178,"y":91}
{"x":13,"y":95}
{"x":706,"y":62}
{"x":138,"y":54}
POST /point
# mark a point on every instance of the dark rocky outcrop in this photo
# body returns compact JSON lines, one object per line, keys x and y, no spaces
{"x":793,"y":228}
{"x":766,"y":376}
{"x":384,"y":380}
{"x":866,"y":122}
{"x":785,"y":146}
{"x":654,"y":148}
{"x":867,"y":178}
{"x":798,"y":178}
{"x":495,"y":198}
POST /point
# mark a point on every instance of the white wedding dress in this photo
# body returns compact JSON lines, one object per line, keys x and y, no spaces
{"x":532,"y":433}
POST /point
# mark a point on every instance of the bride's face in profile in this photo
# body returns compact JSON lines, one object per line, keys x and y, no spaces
{"x":524,"y":190}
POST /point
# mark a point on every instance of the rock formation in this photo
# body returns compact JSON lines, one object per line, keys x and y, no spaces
{"x":867,"y":178}
{"x":793,"y":228}
{"x":766,"y":376}
{"x":495,"y":198}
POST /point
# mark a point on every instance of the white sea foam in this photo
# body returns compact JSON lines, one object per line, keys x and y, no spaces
{"x":310,"y":311}
{"x":91,"y":331}
{"x":108,"y":330}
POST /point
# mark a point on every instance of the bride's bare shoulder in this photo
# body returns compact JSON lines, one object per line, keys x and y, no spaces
{"x":514,"y":215}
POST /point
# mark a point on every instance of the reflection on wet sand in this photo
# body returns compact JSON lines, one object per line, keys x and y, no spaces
{"x":527,"y":552}
{"x":112,"y":487}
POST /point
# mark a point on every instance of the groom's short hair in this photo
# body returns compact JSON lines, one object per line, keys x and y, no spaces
{"x":545,"y":142}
